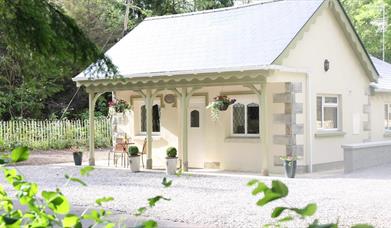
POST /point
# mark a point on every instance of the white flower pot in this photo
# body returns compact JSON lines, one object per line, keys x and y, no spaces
{"x":171,"y":166}
{"x":134,"y":163}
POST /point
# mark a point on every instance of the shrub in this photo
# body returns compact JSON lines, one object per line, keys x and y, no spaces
{"x":171,"y":152}
{"x":133,"y":151}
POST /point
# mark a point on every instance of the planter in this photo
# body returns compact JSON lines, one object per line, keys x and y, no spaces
{"x":171,"y":166}
{"x":78,"y":157}
{"x":134,"y":163}
{"x":290,"y":168}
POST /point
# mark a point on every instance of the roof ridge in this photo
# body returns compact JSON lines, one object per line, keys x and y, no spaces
{"x":262,"y":2}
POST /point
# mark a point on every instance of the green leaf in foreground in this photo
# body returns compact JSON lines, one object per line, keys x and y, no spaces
{"x":71,"y":220}
{"x":57,"y":202}
{"x":85,"y":171}
{"x":140,"y":211}
{"x":20,"y":154}
{"x":74,"y":179}
{"x":103,"y":200}
{"x":362,"y":226}
{"x":152,"y":201}
{"x":149,"y":224}
{"x":308,"y":210}
{"x":166,"y":183}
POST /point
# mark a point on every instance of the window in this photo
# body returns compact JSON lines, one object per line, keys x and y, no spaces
{"x":195,"y":119}
{"x":327,"y":112}
{"x":245,"y":119}
{"x":387,"y":117}
{"x":155,"y":118}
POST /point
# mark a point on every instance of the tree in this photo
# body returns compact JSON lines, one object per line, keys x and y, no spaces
{"x":40,"y":48}
{"x":366,"y":16}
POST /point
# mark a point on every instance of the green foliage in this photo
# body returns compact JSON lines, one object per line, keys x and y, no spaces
{"x":55,"y":134}
{"x":85,"y":171}
{"x":365,"y":16}
{"x":279,"y":190}
{"x":41,"y":48}
{"x":133,"y":151}
{"x":171,"y":152}
{"x":20,"y":154}
{"x":166,"y":183}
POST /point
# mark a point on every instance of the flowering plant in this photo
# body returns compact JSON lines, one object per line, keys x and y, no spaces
{"x":220,"y":103}
{"x":119,"y":106}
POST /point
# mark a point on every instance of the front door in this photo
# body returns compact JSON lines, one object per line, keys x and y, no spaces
{"x":196,"y":139}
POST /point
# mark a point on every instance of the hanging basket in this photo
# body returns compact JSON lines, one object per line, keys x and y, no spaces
{"x":220,"y":103}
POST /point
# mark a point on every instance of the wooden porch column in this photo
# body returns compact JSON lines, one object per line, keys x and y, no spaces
{"x":91,"y":113}
{"x":262,"y":99}
{"x":184,"y":96}
{"x":148,"y":107}
{"x":92,"y":97}
{"x":148,"y":100}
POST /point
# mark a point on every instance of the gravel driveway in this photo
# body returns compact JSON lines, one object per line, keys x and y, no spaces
{"x":224,"y":201}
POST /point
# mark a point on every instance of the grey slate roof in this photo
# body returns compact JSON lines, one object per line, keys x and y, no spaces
{"x":384,"y":69}
{"x":249,"y":35}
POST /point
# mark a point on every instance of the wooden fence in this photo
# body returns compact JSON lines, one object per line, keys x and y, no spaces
{"x":54,"y":134}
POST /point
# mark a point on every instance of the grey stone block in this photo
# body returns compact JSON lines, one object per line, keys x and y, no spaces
{"x":295,"y":129}
{"x":295,"y":149}
{"x":284,"y":139}
{"x":366,"y":126}
{"x":283,"y":98}
{"x":283,"y":118}
{"x":366,"y":109}
{"x":294,"y":87}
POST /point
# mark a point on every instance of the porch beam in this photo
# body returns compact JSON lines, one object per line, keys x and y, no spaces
{"x":262,"y":99}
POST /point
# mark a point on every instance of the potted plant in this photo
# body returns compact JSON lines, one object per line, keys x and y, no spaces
{"x":290,"y":164}
{"x":171,"y":161}
{"x":77,"y":155}
{"x":220,"y":103}
{"x":134,"y":158}
{"x":119,"y":106}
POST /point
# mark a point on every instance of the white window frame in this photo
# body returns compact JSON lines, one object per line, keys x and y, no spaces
{"x":329,"y":105}
{"x":245,"y":134}
{"x":388,"y":115}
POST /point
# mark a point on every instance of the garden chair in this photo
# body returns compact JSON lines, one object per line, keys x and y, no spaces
{"x":119,"y":151}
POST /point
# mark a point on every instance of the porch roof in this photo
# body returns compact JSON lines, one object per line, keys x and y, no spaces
{"x":210,"y":41}
{"x":384,"y":81}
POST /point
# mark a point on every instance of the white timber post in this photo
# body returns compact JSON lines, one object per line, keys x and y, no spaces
{"x":91,"y":110}
{"x":184,"y":96}
{"x":262,"y":99}
{"x":148,"y":106}
{"x":184,"y":135}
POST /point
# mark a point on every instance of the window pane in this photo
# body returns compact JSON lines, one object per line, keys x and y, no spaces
{"x":238,"y":118}
{"x":319,"y":112}
{"x":195,"y":118}
{"x":143,"y":119}
{"x":331,"y":100}
{"x":330,"y":118}
{"x":252,"y":119}
{"x":155,"y":118}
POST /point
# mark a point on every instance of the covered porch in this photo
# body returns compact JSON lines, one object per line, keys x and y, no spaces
{"x":278,"y":91}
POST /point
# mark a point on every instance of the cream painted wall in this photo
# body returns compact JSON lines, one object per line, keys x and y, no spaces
{"x":233,"y":153}
{"x":346,"y":78}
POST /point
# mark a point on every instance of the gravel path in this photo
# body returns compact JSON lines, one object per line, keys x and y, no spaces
{"x":225,"y":201}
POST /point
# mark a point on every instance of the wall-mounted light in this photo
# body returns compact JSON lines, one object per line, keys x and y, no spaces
{"x":326,"y":65}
